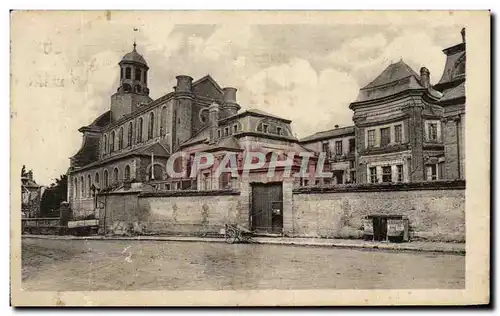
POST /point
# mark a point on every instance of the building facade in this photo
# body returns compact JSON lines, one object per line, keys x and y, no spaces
{"x":31,"y":196}
{"x":128,"y":147}
{"x":405,"y":129}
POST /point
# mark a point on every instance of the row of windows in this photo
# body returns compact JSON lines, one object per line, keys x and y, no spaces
{"x":139,"y":74}
{"x":339,"y":150}
{"x":266,"y":128}
{"x":83,"y":186}
{"x":112,"y":146}
{"x":226,"y":131}
{"x":386,"y":137}
{"x":386,"y":174}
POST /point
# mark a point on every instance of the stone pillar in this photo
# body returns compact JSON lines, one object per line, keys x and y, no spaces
{"x":182,"y":118}
{"x":288,"y":207}
{"x":416,"y":137}
{"x":230,"y":106}
{"x":213,"y":120}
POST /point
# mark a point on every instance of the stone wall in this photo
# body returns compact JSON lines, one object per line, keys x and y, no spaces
{"x":436,"y":211}
{"x":174,"y":212}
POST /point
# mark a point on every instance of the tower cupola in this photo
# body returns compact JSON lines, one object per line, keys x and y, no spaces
{"x":133,"y":73}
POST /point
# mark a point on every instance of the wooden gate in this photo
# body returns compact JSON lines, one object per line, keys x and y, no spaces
{"x":267,"y":208}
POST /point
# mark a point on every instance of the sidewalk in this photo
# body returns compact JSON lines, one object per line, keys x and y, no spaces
{"x":421,"y":246}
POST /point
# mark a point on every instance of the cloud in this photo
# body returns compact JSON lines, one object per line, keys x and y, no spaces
{"x":290,"y":89}
{"x":65,"y":70}
{"x":366,"y":57}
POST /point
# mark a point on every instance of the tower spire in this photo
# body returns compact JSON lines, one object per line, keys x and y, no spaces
{"x":134,"y":44}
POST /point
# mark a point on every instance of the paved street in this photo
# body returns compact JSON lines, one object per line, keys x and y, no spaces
{"x":65,"y":265}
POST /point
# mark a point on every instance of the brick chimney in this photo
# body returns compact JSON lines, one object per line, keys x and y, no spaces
{"x":425,"y":77}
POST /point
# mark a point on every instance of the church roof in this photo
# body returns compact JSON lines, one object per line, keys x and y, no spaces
{"x":135,"y":57}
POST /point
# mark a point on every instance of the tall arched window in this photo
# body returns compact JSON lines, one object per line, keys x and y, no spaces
{"x":137,"y":74}
{"x":106,"y":178}
{"x":126,"y":175}
{"x":105,"y":143}
{"x":157,"y":172}
{"x":82,"y":187}
{"x":128,"y":73}
{"x":75,"y":189}
{"x":120,"y":138}
{"x":151,"y":126}
{"x":115,"y":175}
{"x":139,"y":130}
{"x":163,"y":118}
{"x":89,"y":186}
{"x":145,"y":76}
{"x":130,"y":133}
{"x":112,"y":141}
{"x":121,"y":73}
{"x":96,"y":179}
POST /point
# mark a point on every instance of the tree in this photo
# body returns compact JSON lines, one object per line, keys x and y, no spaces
{"x":53,"y":196}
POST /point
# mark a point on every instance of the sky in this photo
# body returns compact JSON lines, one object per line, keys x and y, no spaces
{"x":64,"y":68}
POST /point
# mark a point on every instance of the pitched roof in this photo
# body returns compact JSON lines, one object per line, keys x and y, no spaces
{"x":396,"y":78}
{"x":207,"y":78}
{"x":454,"y":93}
{"x":157,"y":149}
{"x":392,"y":73}
{"x":328,"y":134}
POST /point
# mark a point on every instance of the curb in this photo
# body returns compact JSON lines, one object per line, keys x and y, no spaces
{"x":382,"y":247}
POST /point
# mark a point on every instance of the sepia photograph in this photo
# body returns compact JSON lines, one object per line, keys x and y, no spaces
{"x":204,"y":158}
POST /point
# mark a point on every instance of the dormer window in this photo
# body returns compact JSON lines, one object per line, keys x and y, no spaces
{"x":218,"y":133}
{"x":279,"y":131}
{"x":226,"y":131}
{"x":235,"y":128}
{"x":265,"y":128}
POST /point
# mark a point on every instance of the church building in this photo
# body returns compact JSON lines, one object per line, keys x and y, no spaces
{"x":127,"y":147}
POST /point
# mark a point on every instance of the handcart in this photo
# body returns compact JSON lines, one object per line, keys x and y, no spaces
{"x":236,"y":233}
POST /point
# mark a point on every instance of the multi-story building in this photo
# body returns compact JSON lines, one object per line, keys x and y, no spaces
{"x":128,"y":146}
{"x":339,"y":146}
{"x":31,"y":194}
{"x":405,"y":129}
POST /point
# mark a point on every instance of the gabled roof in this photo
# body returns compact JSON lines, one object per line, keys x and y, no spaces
{"x":207,"y":78}
{"x":392,"y":73}
{"x":332,"y":133}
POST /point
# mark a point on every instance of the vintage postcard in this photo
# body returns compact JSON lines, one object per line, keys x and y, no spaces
{"x":260,"y":158}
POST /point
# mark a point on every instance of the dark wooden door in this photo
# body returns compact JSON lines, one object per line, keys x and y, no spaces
{"x":379,"y":228}
{"x":267,"y":208}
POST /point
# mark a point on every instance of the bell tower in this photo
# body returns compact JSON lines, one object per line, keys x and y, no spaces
{"x":133,"y":89}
